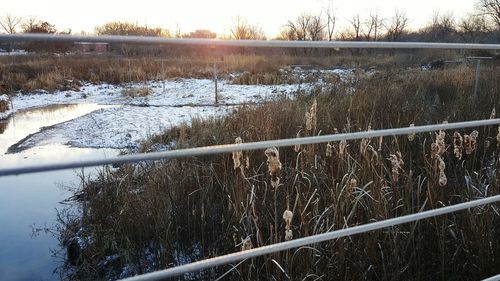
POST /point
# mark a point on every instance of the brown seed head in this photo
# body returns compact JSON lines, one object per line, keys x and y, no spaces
{"x":342,"y":148}
{"x":411,"y":137}
{"x":353,"y":183}
{"x":329,"y":150}
{"x":237,"y":155}
{"x":287,"y":217}
{"x":457,"y":145}
{"x":274,"y":165}
{"x":246,"y":244}
{"x":297,"y":146}
{"x":309,"y":124}
{"x":442,"y":179}
{"x":498,"y":137}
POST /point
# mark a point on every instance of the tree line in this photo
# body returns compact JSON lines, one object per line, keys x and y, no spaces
{"x":481,"y":25}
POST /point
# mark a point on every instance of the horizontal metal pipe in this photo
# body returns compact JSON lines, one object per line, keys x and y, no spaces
{"x":228,"y":148}
{"x":235,"y":257}
{"x":10,"y":38}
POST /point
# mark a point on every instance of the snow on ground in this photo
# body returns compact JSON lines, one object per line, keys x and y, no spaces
{"x":119,"y":127}
{"x":163,"y":93}
{"x":131,"y":120}
{"x":13,"y":53}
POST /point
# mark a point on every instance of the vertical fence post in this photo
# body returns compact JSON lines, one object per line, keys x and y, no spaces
{"x":162,"y":76}
{"x":215,"y":80}
{"x":476,"y":79}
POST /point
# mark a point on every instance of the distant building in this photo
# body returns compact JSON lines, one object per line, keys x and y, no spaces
{"x":203,"y":33}
{"x":90,"y":47}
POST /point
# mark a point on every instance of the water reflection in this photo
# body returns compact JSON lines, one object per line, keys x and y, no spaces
{"x":27,"y":122}
{"x":29,"y":200}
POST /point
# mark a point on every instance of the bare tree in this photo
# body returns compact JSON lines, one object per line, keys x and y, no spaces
{"x":490,"y":8}
{"x":331,"y":20}
{"x":29,"y":24}
{"x":305,"y":27}
{"x":397,"y":26}
{"x":442,"y":28}
{"x":472,"y":27}
{"x":242,"y":30}
{"x":316,"y":28}
{"x":373,"y":26}
{"x":9,"y":23}
{"x":356,"y":25}
{"x":298,"y":28}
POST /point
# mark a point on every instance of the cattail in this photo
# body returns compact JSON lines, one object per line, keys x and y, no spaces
{"x":380,"y":140}
{"x":363,"y":146}
{"x":441,"y":164}
{"x":442,"y":179}
{"x":247,"y":162}
{"x":237,"y":154}
{"x":342,"y":148}
{"x":396,"y":163}
{"x":467,"y":146}
{"x":297,"y":146}
{"x":372,"y":152}
{"x":353,"y":183}
{"x":308,"y":121}
{"x":434,"y":150}
{"x":470,"y":142}
{"x":287,"y":217}
{"x":246,"y":244}
{"x":498,"y":137}
{"x":440,"y":142}
{"x":274,"y":165}
{"x":329,"y":150}
{"x":411,"y":137}
{"x":492,"y":115}
{"x":473,"y":139}
{"x":314,"y":113}
{"x":457,"y":145}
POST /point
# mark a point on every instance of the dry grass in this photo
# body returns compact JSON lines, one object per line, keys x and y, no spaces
{"x":136,"y":92}
{"x":48,"y":72}
{"x":4,"y":105}
{"x":203,"y":207}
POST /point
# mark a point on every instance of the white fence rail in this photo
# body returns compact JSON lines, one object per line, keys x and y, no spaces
{"x":210,"y":150}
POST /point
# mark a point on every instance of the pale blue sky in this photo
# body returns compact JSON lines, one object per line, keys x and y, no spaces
{"x":217,"y":15}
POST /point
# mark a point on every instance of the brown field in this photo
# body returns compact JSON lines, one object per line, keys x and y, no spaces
{"x":147,"y":215}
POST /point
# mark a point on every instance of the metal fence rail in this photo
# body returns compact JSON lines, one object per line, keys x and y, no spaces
{"x":235,"y":257}
{"x":11,"y":38}
{"x":210,"y":150}
{"x":228,"y":148}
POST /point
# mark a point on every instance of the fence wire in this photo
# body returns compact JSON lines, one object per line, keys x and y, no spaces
{"x":11,"y":38}
{"x":229,"y":148}
{"x":209,"y":150}
{"x":283,"y":246}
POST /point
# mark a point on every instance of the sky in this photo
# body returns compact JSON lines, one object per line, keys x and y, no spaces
{"x":218,"y":15}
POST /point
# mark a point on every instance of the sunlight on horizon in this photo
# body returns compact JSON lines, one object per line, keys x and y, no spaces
{"x":219,"y":15}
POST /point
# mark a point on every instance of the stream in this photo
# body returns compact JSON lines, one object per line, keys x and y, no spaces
{"x":29,"y":201}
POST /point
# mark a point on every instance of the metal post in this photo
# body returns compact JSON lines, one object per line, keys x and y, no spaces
{"x":129,"y":72}
{"x":162,"y":77}
{"x":476,"y":80}
{"x":215,"y":79}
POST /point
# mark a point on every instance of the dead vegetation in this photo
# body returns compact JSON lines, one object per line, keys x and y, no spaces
{"x":66,"y":72}
{"x":155,"y":215}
